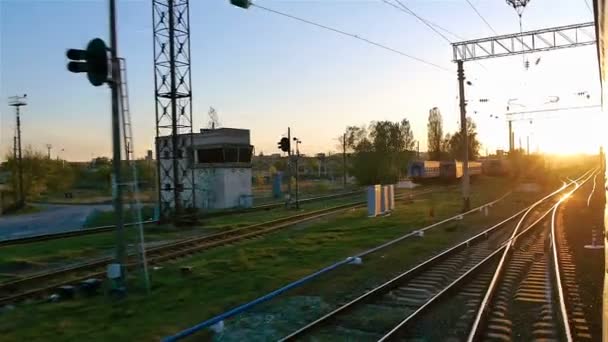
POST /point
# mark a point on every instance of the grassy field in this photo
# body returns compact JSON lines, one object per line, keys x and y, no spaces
{"x":101,"y":218}
{"x":263,"y":193}
{"x":36,"y":256}
{"x":227,"y":276}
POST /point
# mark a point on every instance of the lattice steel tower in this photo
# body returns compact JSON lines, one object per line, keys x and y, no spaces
{"x":173,"y":93}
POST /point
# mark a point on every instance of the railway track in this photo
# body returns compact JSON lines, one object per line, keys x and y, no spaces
{"x":572,"y":308}
{"x":109,"y":228}
{"x":384,"y":312}
{"x":515,"y":298}
{"x":45,"y":283}
{"x":525,"y":299}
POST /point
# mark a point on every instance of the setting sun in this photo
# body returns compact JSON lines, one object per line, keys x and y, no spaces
{"x":568,"y":134}
{"x":560,"y":132}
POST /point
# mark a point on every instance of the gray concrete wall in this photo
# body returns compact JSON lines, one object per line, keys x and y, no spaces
{"x":222,"y":188}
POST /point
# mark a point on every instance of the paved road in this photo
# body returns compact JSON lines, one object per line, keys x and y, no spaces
{"x":53,"y":219}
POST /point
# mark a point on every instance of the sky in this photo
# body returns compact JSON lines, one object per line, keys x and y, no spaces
{"x":265,"y":72}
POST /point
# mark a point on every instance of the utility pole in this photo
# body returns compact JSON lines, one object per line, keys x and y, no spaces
{"x":344,"y":159}
{"x":510,"y":136}
{"x":114,"y":84}
{"x":18,"y":102}
{"x":520,"y":147}
{"x":298,"y":142}
{"x":465,"y":139}
{"x":417,"y":149}
{"x":289,"y":166}
{"x":49,"y":147}
{"x":15,"y":193}
{"x":15,"y":146}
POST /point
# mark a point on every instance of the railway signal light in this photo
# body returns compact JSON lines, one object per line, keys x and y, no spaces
{"x":94,"y":61}
{"x":241,"y":3}
{"x":284,"y":145}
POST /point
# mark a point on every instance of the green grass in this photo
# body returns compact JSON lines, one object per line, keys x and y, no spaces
{"x":35,"y":256}
{"x":106,"y":218}
{"x":227,"y":276}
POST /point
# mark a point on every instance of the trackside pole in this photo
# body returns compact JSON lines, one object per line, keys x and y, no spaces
{"x":465,"y":137}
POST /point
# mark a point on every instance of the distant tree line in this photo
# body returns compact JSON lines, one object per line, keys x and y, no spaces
{"x":380,"y":153}
{"x":46,"y":176}
{"x":450,"y":146}
{"x":40,"y":174}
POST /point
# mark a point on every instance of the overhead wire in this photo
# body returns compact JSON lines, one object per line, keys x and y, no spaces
{"x":406,"y":9}
{"x":481,"y":16}
{"x":351,"y":35}
{"x":403,"y":8}
{"x":427,"y":22}
{"x":588,"y":6}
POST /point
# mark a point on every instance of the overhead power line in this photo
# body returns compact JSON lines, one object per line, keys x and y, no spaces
{"x":588,"y":6}
{"x":403,"y":8}
{"x":353,"y":36}
{"x":481,"y":16}
{"x":428,"y":23}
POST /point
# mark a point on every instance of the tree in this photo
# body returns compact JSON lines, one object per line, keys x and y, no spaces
{"x":456,"y":142}
{"x":347,"y":143}
{"x":445,"y":146}
{"x":434,"y":133}
{"x":146,"y":173}
{"x":408,"y":135}
{"x":381,"y":155}
{"x":102,"y":161}
{"x":353,"y":135}
{"x":312,"y":165}
{"x":40,"y":174}
{"x":280,"y":164}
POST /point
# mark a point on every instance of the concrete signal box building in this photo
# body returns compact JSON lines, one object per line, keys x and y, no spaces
{"x":217,"y":174}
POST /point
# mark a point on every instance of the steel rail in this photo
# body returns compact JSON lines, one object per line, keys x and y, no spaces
{"x":482,"y":310}
{"x":399,"y":278}
{"x":556,"y":264}
{"x":103,"y":229}
{"x":246,"y":306}
{"x":184,"y":247}
{"x":404,"y":276}
{"x":391,"y":334}
{"x":592,"y":190}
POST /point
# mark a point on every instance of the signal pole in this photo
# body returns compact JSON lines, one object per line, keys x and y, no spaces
{"x":49,"y":147}
{"x":344,"y":159}
{"x":510,"y":136}
{"x":114,"y":84}
{"x":298,"y":142}
{"x":289,"y":166}
{"x":18,"y":102}
{"x":465,"y":139}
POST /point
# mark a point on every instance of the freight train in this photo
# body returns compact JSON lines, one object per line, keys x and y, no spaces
{"x":444,"y":170}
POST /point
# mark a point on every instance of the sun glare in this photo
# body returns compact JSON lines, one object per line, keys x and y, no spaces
{"x":564,"y":135}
